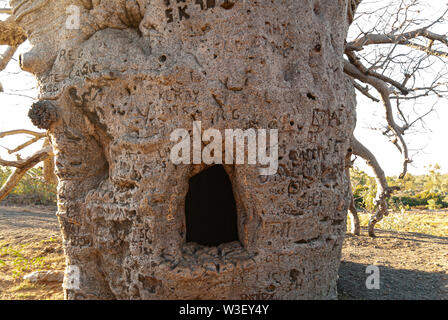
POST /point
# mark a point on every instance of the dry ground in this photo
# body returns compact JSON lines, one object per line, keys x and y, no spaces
{"x":411,"y":251}
{"x":412,"y":266}
{"x":29,"y":241}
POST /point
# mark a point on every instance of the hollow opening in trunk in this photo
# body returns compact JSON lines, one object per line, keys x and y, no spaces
{"x":210,"y":208}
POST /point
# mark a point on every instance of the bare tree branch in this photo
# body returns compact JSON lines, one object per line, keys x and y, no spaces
{"x":351,"y":10}
{"x":399,"y":45}
{"x":24,"y":145}
{"x":383,"y":190}
{"x":402,"y":38}
{"x":22,"y":131}
{"x":21,"y":168}
{"x":365,"y":91}
{"x":6,"y":57}
{"x":355,"y":72}
{"x":20,"y":164}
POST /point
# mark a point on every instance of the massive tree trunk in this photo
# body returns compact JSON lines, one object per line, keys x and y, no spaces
{"x":137,"y":70}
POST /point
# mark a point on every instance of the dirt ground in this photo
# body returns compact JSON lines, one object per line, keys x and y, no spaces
{"x":412,"y":265}
{"x":29,"y":241}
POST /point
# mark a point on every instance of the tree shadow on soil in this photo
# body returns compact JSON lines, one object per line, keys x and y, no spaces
{"x":15,"y":218}
{"x":395,"y":284}
{"x":411,"y":236}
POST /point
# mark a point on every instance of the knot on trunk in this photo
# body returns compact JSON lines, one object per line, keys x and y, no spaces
{"x":43,"y":114}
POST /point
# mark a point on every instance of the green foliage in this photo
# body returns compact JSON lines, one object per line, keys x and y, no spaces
{"x":32,"y":189}
{"x":433,"y":204}
{"x":20,"y":264}
{"x":429,"y":191}
{"x":364,"y":189}
{"x":407,"y":202}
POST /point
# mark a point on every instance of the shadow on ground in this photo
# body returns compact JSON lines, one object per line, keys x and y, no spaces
{"x":412,"y":266}
{"x":395,"y":284}
{"x":17,"y":218}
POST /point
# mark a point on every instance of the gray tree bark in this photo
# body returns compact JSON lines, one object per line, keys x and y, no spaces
{"x":136,"y":70}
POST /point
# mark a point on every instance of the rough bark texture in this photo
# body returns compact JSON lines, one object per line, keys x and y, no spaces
{"x":136,"y":71}
{"x":43,"y":114}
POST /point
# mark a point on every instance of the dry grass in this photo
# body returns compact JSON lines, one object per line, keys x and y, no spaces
{"x":411,"y":250}
{"x":29,"y":241}
{"x":433,"y":223}
{"x":17,"y":260}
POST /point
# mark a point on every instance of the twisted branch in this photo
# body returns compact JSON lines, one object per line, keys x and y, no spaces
{"x":383,"y":190}
{"x":21,"y":168}
{"x":357,"y":71}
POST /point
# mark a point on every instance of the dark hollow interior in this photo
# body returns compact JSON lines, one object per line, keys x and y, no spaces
{"x":210,"y":208}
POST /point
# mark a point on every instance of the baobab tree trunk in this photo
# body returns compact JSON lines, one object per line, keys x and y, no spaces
{"x":137,"y":70}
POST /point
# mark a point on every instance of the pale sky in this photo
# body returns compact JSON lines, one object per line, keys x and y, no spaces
{"x":426,"y":148}
{"x":430,"y":145}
